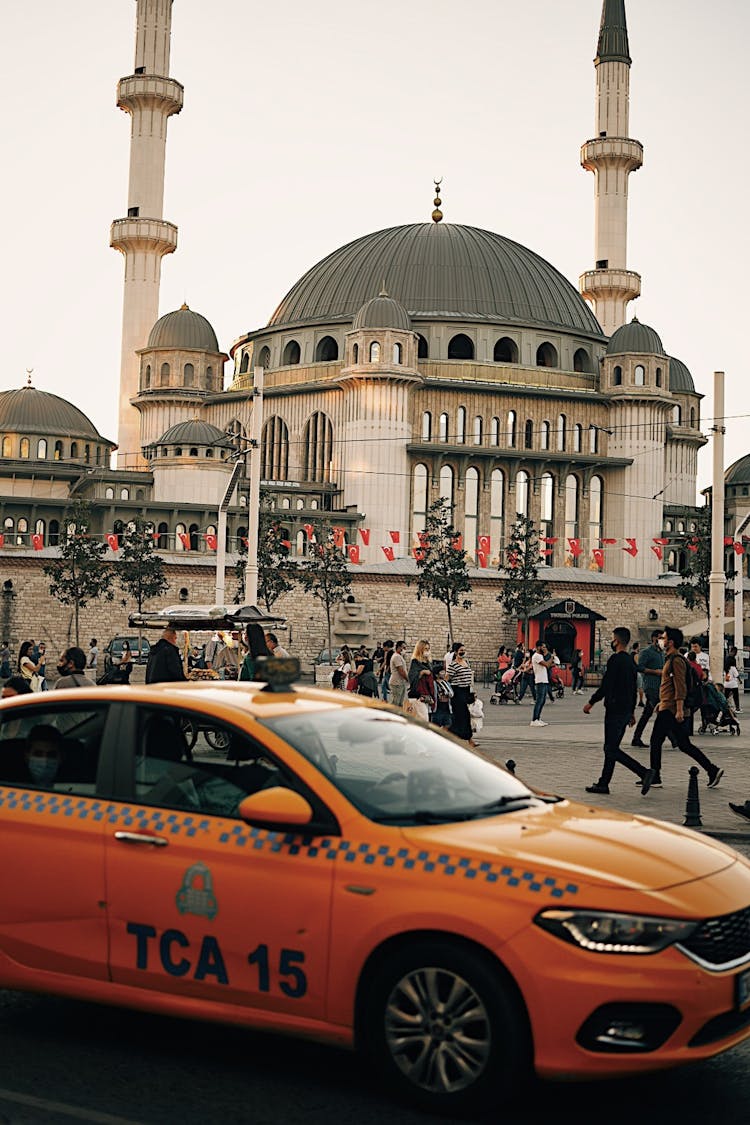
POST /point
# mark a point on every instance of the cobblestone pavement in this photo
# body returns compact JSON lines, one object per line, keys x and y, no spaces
{"x":566,"y":756}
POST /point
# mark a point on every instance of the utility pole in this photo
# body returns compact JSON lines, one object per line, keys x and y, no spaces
{"x":221,"y":535}
{"x":717,"y":579}
{"x":253,"y":506}
{"x":739,"y":600}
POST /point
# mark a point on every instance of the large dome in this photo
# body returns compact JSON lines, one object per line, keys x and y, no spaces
{"x":183,"y":328}
{"x":680,"y":378}
{"x":194,"y":432}
{"x":27,"y":410}
{"x":739,"y":472}
{"x":439,"y":272}
{"x":636,"y":338}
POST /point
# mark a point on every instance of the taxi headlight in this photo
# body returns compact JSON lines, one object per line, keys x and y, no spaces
{"x":600,"y":931}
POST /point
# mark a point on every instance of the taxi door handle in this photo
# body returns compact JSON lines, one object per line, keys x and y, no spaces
{"x":140,"y":838}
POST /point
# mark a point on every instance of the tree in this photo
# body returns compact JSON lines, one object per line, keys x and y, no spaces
{"x":324,"y":573}
{"x":140,"y":571}
{"x":276,"y":572}
{"x":522,"y":587}
{"x":80,"y":574}
{"x":442,"y":567}
{"x":694,"y":586}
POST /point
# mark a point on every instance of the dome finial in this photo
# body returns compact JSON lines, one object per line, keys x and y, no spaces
{"x":437,"y":214}
{"x":29,"y":373}
{"x":185,"y":305}
{"x":383,"y":291}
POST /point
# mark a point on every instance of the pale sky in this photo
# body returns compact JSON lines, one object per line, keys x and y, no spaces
{"x":309,"y":124}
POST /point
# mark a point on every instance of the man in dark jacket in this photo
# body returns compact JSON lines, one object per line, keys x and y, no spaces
{"x":650,"y":664}
{"x":164,"y":661}
{"x":619,"y":690}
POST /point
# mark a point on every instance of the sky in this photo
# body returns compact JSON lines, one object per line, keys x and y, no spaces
{"x":307,"y":125}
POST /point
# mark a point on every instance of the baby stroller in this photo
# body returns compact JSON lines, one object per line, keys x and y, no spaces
{"x":717,"y":716}
{"x":556,"y":686}
{"x":507,"y":686}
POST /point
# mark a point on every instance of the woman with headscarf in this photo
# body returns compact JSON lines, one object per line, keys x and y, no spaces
{"x":257,"y":649}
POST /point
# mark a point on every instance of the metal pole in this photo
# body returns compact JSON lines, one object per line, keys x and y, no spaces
{"x":717,"y":579}
{"x":739,"y":600}
{"x":221,"y":551}
{"x":251,"y":570}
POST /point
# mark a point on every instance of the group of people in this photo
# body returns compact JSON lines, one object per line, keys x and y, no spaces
{"x":521,"y":672}
{"x":30,"y":674}
{"x":438,"y":691}
{"x":229,"y":658}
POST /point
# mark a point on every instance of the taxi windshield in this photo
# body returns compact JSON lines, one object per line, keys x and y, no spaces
{"x":398,"y":772}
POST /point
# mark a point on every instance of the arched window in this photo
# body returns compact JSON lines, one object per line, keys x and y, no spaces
{"x":58,"y":451}
{"x":681,"y":527}
{"x":497,"y":502}
{"x":528,"y":434}
{"x":478,"y":429}
{"x":658,"y":376}
{"x":692,"y":417}
{"x":193,"y":532}
{"x":188,"y":374}
{"x":209,"y":378}
{"x":561,"y":424}
{"x":677,"y":415}
{"x":505,"y":351}
{"x":39,"y":529}
{"x":285,"y":502}
{"x":355,"y":354}
{"x":426,"y":426}
{"x":471,"y":510}
{"x":374,"y":352}
{"x":460,"y":346}
{"x":461,"y":425}
{"x":208,"y":453}
{"x":54,"y":533}
{"x":300,"y":543}
{"x":109,"y":493}
{"x":41,"y":449}
{"x":87,"y":454}
{"x":547,"y":493}
{"x":118,"y":527}
{"x":147,"y":377}
{"x":124,"y":493}
{"x":443,"y":427}
{"x":544,"y":433}
{"x":164,"y":376}
{"x":596,"y":495}
{"x":8,"y":447}
{"x":593,"y":439}
{"x":546,"y":355}
{"x":179,"y":530}
{"x":327,"y":350}
{"x":510,"y":429}
{"x":617,"y":376}
{"x":495,"y":431}
{"x":581,"y":360}
{"x":24,"y":448}
{"x":274,"y":450}
{"x":398,"y":352}
{"x":245,"y":362}
{"x":264,"y":358}
{"x":571,"y":510}
{"x":193,"y":451}
{"x":9,"y":526}
{"x":241,"y":535}
{"x":300,"y":504}
{"x":73,"y":450}
{"x":317,"y":445}
{"x":162,"y":541}
{"x":522,"y":493}
{"x":446,"y":485}
{"x":292,"y":354}
{"x":22,"y":530}
{"x":639,"y":375}
{"x":422,"y":348}
{"x":98,"y":455}
{"x":314,"y":504}
{"x":419,"y":500}
{"x":577,"y":438}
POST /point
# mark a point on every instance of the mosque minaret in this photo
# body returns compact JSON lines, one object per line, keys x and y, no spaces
{"x":143,"y":237}
{"x":611,"y":155}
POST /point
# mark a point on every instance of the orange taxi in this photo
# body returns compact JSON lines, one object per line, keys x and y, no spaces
{"x":310,"y":862}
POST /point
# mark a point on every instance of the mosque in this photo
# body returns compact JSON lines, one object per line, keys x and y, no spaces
{"x":422,"y":361}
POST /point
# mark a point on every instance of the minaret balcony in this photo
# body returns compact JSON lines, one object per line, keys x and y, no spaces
{"x":150,"y":90}
{"x":133,"y":235}
{"x":622,"y":284}
{"x":612,"y":150}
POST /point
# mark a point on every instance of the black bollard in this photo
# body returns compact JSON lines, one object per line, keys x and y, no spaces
{"x":693,"y":803}
{"x":510,"y":766}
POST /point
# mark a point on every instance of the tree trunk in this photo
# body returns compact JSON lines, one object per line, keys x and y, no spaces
{"x":76,"y":629}
{"x":328,"y":620}
{"x":450,"y":625}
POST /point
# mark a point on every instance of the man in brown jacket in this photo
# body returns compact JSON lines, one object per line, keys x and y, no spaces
{"x":671,"y":712}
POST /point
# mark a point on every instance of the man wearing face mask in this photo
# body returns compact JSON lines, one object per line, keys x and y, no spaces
{"x":71,"y":668}
{"x":44,"y":755}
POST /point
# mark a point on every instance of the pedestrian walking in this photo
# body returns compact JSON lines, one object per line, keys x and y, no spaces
{"x":93,"y":659}
{"x":635,"y":652}
{"x":671,"y":712}
{"x":385,"y":670}
{"x":541,"y":662}
{"x":576,"y":671}
{"x":6,"y":671}
{"x":72,"y":669}
{"x":527,"y":677}
{"x":27,"y":667}
{"x":459,"y":675}
{"x":257,"y":649}
{"x":619,"y":690}
{"x":399,"y":680}
{"x":164,"y":660}
{"x":442,"y":716}
{"x":650,"y":664}
{"x":732,"y":685}
{"x":518,"y":656}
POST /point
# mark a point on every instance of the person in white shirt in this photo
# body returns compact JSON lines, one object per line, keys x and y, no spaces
{"x":450,"y":655}
{"x":541,"y":662}
{"x":701,"y":658}
{"x":399,"y":681}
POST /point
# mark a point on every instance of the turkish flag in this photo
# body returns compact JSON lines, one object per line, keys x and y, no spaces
{"x":211,"y":541}
{"x":365,"y":533}
{"x":598,"y":557}
{"x":513,"y":558}
{"x":309,"y":529}
{"x":546,"y":550}
{"x":458,"y":543}
{"x":550,"y":539}
{"x":662,"y":542}
{"x":2,"y":540}
{"x":607,"y":542}
{"x":388,"y":552}
{"x":338,"y":537}
{"x":575,"y":547}
{"x":482,"y":557}
{"x":424,"y":539}
{"x":632,"y":547}
{"x":395,"y":536}
{"x":738,"y":549}
{"x":692,"y":547}
{"x":728,"y":540}
{"x":658,"y":552}
{"x":184,"y":539}
{"x":353,"y":551}
{"x":418,"y":553}
{"x":114,"y":542}
{"x":284,"y":543}
{"x":484,"y":544}
{"x":37,"y":541}
{"x":246,"y":541}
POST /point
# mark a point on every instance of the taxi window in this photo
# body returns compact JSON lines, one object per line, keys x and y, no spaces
{"x":51,"y":748}
{"x":188,"y":760}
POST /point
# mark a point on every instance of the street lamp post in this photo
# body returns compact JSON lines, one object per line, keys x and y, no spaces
{"x":717,"y":580}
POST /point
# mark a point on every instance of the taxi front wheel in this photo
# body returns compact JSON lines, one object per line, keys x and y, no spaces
{"x":445,"y":1029}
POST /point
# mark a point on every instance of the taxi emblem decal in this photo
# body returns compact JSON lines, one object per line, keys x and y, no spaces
{"x":196,"y":895}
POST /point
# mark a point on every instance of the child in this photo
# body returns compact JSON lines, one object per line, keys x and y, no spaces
{"x":443,"y":713}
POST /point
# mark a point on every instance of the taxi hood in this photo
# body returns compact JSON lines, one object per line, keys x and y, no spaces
{"x":583,"y":844}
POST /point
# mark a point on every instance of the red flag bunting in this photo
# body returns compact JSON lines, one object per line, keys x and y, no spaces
{"x":607,"y":542}
{"x":284,"y":543}
{"x":37,"y":542}
{"x":662,"y":542}
{"x":365,"y":533}
{"x":598,"y":557}
{"x":338,"y":537}
{"x":513,"y":559}
{"x":482,"y":555}
{"x":550,"y":539}
{"x":395,"y":536}
{"x":246,"y":542}
{"x":211,"y":541}
{"x":546,"y":550}
{"x":738,"y":549}
{"x":458,"y":543}
{"x":632,"y":547}
{"x":692,"y":547}
{"x":728,"y":540}
{"x":309,"y":529}
{"x":114,"y":542}
{"x":424,"y":539}
{"x":658,"y":552}
{"x":484,"y":544}
{"x":388,"y":552}
{"x":575,"y":547}
{"x":184,"y":539}
{"x":353,"y":552}
{"x":2,"y":540}
{"x":418,"y":553}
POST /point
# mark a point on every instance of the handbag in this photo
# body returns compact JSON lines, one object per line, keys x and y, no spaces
{"x":35,"y":682}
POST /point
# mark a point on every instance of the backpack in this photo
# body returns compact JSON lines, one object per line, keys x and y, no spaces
{"x":693,"y":689}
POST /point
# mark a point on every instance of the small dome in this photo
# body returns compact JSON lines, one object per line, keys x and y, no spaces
{"x":27,"y":410}
{"x":382,"y":312}
{"x":194,"y":432}
{"x":636,"y":338}
{"x":680,"y":378}
{"x":739,"y":472}
{"x":183,"y":328}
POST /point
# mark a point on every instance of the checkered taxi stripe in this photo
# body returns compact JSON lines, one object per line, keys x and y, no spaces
{"x":357,"y":854}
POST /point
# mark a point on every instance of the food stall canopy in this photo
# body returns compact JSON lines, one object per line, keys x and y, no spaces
{"x":184,"y":616}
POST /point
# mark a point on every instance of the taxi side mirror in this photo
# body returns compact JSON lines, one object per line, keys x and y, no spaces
{"x":276,"y":806}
